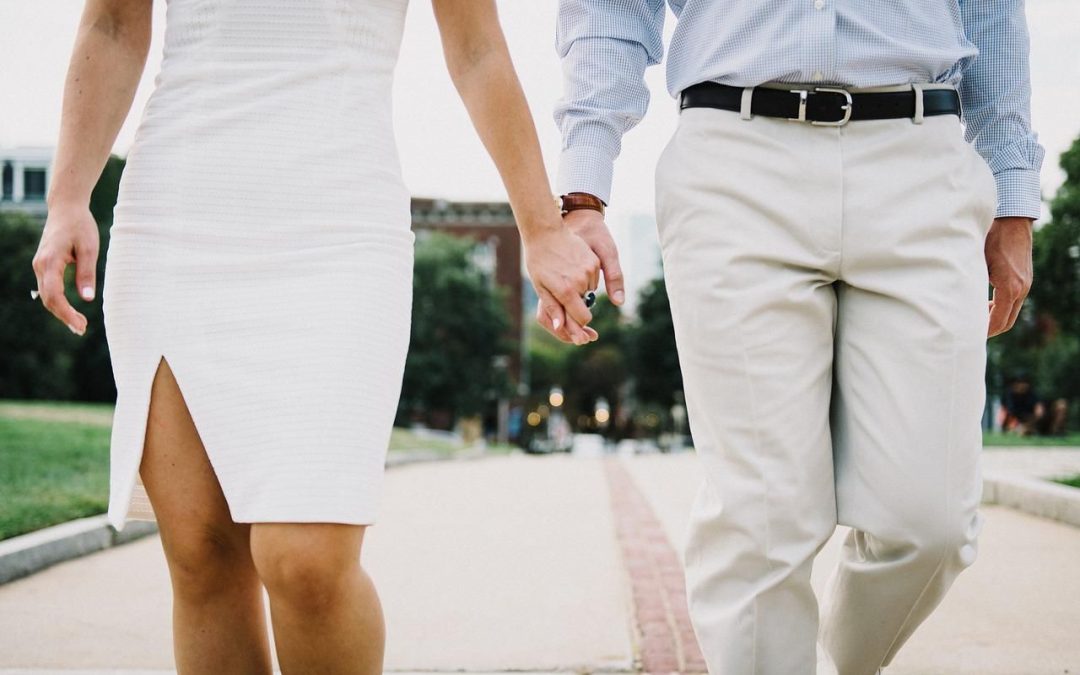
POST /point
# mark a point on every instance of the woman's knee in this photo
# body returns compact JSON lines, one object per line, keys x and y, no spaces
{"x":206,"y":560}
{"x":306,"y":564}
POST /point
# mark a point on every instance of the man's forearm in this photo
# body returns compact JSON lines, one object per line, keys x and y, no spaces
{"x":605,"y":48}
{"x":996,"y":96}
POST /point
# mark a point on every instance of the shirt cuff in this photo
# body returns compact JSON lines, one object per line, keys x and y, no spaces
{"x":586,"y":169}
{"x":1019,"y":193}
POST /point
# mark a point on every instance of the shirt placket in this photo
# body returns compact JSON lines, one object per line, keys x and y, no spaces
{"x":821,"y":43}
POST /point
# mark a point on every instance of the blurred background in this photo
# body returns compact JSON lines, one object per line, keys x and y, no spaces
{"x":481,"y":373}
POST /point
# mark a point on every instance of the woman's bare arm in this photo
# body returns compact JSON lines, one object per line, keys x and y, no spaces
{"x":561,"y":265}
{"x":106,"y":64}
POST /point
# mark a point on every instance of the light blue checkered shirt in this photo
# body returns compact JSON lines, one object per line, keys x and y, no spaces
{"x":981,"y":46}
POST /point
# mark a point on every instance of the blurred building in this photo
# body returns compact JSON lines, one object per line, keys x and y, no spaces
{"x":498,"y":253}
{"x":25,"y":173}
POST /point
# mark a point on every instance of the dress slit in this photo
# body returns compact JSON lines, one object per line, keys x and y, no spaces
{"x":137,"y":500}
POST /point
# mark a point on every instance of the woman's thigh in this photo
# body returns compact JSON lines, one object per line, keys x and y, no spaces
{"x":193,"y":516}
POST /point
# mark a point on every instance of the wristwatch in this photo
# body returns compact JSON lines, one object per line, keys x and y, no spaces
{"x":574,"y":201}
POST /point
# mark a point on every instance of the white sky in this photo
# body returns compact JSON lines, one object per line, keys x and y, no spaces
{"x":440,"y":153}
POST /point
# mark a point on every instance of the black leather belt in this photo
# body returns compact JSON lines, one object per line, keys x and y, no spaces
{"x":824,"y":105}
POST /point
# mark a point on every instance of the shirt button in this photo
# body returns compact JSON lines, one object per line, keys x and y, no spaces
{"x":819,"y":4}
{"x":818,"y":76}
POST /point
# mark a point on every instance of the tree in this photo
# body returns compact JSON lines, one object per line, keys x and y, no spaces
{"x":1056,"y":254}
{"x":1045,"y":342}
{"x":42,"y":359}
{"x":458,"y":328}
{"x":655,"y":363}
{"x":597,"y":369}
{"x":37,"y":349}
{"x":92,"y":367}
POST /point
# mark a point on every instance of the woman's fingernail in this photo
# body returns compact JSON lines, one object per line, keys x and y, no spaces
{"x":75,"y":330}
{"x":88,"y":292}
{"x":618,"y":295}
{"x":556,"y":323}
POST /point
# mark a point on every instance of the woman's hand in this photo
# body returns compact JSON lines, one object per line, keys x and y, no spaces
{"x":70,"y":236}
{"x":106,"y":64}
{"x":562,"y":266}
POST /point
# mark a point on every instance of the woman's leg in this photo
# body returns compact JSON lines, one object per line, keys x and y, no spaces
{"x":219,"y":621}
{"x":324,"y":609}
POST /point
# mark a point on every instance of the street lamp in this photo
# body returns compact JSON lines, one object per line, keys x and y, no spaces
{"x":555,"y":397}
{"x":602,"y":413}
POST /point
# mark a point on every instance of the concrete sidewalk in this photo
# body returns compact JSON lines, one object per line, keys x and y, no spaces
{"x":513,"y":564}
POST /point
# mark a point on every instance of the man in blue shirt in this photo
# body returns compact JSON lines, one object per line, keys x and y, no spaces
{"x":828,"y":235}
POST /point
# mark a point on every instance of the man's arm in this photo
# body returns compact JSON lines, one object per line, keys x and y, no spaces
{"x":996,"y":95}
{"x":605,"y":47}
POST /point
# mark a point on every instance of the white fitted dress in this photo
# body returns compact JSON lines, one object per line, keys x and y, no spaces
{"x":262,"y":245}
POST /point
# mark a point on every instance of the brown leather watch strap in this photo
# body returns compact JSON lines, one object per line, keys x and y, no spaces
{"x":573,"y":201}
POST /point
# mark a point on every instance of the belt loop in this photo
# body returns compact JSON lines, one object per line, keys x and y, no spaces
{"x":747,"y":100}
{"x":918,"y":89}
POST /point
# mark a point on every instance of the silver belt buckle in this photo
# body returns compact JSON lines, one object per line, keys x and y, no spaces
{"x":805,"y":94}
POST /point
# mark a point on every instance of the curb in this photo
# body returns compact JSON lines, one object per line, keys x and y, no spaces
{"x":23,"y":555}
{"x":28,"y":553}
{"x":1034,"y":496}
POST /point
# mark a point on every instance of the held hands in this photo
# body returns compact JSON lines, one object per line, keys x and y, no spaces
{"x":562,"y":267}
{"x":70,"y":236}
{"x":1008,"y":261}
{"x":566,"y":261}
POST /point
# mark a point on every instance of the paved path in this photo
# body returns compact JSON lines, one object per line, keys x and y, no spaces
{"x":516,"y":564}
{"x":1033,"y":462}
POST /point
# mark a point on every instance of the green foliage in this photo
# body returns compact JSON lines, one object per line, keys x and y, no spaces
{"x":37,"y":349}
{"x":1045,"y":342}
{"x":92,"y":368}
{"x":458,"y":328}
{"x":42,"y":358}
{"x":547,"y":360}
{"x":598,"y":369}
{"x":587,"y":372}
{"x":1071,"y":481}
{"x":997,"y":439}
{"x":655,"y":358}
{"x":1056,"y":254}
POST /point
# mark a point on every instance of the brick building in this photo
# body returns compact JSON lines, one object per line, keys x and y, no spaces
{"x":492,"y":226}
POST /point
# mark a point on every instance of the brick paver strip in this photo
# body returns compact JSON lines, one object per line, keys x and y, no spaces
{"x":665,"y":636}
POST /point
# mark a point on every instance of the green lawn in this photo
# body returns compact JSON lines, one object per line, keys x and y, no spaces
{"x":993,"y":440}
{"x":51,"y":472}
{"x":54,"y":461}
{"x":1073,"y":481}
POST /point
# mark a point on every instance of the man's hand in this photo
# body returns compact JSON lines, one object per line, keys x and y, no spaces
{"x":1008,"y":261}
{"x":590,"y":226}
{"x":562,"y":267}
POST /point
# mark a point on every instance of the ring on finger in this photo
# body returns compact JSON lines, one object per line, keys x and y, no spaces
{"x":589,"y":297}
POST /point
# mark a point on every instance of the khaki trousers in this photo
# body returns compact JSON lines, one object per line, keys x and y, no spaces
{"x":829,"y":293}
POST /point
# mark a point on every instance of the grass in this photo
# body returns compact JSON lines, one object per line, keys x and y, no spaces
{"x":995,"y":439}
{"x":405,"y":439}
{"x":1072,"y":481}
{"x":51,"y":472}
{"x":54,"y":461}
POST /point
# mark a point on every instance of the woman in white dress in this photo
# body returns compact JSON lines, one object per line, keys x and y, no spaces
{"x":257,"y":294}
